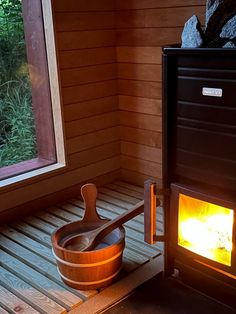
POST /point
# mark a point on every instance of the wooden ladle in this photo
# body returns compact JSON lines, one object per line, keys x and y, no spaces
{"x":90,"y":239}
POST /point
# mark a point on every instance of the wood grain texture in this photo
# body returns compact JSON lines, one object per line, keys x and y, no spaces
{"x":140,"y":105}
{"x":90,"y":108}
{"x":43,"y":284}
{"x":148,"y":36}
{"x":29,"y":294}
{"x":149,"y":4}
{"x":77,"y":21}
{"x":138,"y":177}
{"x":90,"y":91}
{"x":78,"y":6}
{"x":84,"y":158}
{"x":143,"y":152}
{"x":145,"y":137}
{"x":141,"y":121}
{"x":13,"y":303}
{"x":86,"y":57}
{"x":142,"y":166}
{"x":54,"y":184}
{"x":89,"y":74}
{"x":141,"y":72}
{"x":93,"y":139}
{"x":92,"y":124}
{"x":85,"y":39}
{"x":139,"y":88}
{"x":158,"y":18}
{"x":147,"y":55}
{"x":143,"y":27}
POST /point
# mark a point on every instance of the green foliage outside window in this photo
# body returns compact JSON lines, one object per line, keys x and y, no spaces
{"x":17,"y":130}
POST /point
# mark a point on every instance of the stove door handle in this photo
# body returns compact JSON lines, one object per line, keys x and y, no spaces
{"x":150,"y":204}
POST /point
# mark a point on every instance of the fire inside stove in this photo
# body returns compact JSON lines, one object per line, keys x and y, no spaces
{"x":205,"y":228}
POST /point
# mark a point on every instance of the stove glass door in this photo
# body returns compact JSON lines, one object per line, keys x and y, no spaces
{"x":205,"y":228}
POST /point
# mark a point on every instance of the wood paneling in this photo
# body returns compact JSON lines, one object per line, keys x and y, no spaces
{"x":139,"y":178}
{"x":140,"y":121}
{"x":90,"y":108}
{"x":141,"y":166}
{"x":145,"y":137}
{"x":58,"y":182}
{"x":81,"y":5}
{"x":89,"y":91}
{"x":148,"y":36}
{"x":88,"y":141}
{"x":140,"y":105}
{"x":143,"y":152}
{"x":156,"y":18}
{"x":150,"y":4}
{"x":93,"y":155}
{"x":73,"y":21}
{"x":85,"y":37}
{"x":91,"y":124}
{"x":143,"y":27}
{"x":147,"y":55}
{"x":139,"y":88}
{"x":86,"y":57}
{"x":141,"y":72}
{"x":109,"y":56}
{"x":89,"y":74}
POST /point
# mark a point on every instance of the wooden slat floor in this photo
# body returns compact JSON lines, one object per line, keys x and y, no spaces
{"x":29,"y":281}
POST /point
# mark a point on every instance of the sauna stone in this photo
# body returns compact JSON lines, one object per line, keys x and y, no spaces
{"x":223,"y":13}
{"x":211,"y":6}
{"x":191,"y":36}
{"x":230,"y":44}
{"x":229,"y":29}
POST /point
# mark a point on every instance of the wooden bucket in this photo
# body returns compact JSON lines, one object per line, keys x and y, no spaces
{"x":89,"y":269}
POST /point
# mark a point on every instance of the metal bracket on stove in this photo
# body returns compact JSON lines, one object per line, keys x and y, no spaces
{"x":150,"y":204}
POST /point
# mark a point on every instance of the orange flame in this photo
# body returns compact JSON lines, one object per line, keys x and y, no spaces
{"x":205,"y":229}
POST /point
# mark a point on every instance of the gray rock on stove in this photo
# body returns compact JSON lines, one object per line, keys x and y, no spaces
{"x":218,"y":13}
{"x":211,"y":6}
{"x":229,"y":44}
{"x":229,"y":29}
{"x":192,"y":33}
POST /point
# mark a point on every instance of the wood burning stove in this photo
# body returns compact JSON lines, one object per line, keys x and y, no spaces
{"x":199,"y":161}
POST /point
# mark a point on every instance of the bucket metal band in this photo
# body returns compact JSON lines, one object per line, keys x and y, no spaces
{"x":88,"y":283}
{"x":86,"y":265}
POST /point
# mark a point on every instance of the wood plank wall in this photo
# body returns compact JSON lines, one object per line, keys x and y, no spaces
{"x":110,"y":59}
{"x":85,"y":34}
{"x":143,"y":26}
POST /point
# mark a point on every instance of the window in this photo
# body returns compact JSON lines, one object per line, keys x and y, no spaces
{"x":31,"y":133}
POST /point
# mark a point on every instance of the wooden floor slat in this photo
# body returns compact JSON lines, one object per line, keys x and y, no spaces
{"x":48,"y":287}
{"x":2,"y":311}
{"x":129,"y":186}
{"x":120,"y":196}
{"x":40,"y":224}
{"x":125,"y":191}
{"x":27,"y":242}
{"x":29,"y":280}
{"x":32,"y":232}
{"x":13,"y":304}
{"x":29,"y":294}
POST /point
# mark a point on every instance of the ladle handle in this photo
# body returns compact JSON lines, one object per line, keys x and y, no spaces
{"x":89,"y":194}
{"x":117,"y":222}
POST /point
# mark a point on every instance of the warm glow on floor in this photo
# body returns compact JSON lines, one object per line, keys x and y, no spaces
{"x":205,"y":229}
